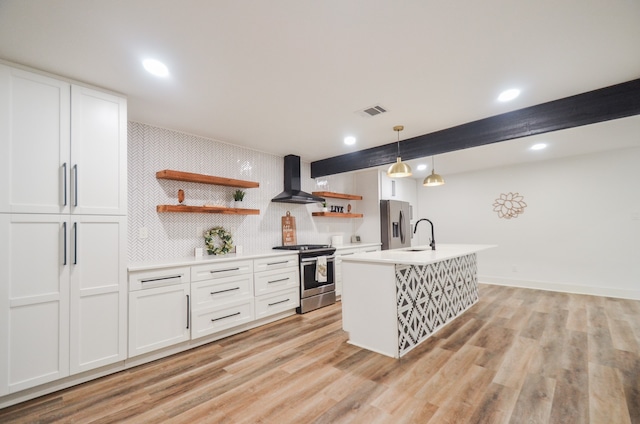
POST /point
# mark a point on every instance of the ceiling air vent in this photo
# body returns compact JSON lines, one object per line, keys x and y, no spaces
{"x":372,"y":111}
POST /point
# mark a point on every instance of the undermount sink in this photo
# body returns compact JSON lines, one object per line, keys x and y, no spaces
{"x":422,"y":249}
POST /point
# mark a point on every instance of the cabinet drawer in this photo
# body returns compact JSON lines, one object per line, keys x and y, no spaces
{"x":140,"y":280}
{"x":220,"y":269}
{"x":270,"y":304}
{"x":276,"y":262}
{"x":212,"y":320}
{"x":276,"y":280}
{"x":216,"y":292}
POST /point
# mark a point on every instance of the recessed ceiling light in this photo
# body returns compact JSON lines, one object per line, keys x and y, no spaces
{"x":421,"y":167}
{"x":507,"y":95}
{"x":349,"y":140}
{"x":538,"y":146}
{"x":156,"y":67}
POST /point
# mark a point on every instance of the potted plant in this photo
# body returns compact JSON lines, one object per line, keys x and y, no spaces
{"x":324,"y":206}
{"x":238,"y":195}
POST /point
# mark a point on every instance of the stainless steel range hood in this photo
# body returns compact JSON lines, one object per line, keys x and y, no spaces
{"x":292,"y":187}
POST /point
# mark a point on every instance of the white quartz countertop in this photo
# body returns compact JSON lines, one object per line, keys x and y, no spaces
{"x":192,"y":260}
{"x":418,"y":255}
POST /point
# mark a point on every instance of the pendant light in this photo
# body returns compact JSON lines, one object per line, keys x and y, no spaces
{"x":433,"y":179}
{"x":399,"y":169}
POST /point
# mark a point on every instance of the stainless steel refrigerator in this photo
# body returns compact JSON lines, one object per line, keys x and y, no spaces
{"x":395,"y":224}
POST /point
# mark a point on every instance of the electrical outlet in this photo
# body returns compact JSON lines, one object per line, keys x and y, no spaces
{"x":143,"y":232}
{"x":199,"y":232}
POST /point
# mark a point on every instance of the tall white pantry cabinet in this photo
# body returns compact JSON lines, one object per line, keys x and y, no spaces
{"x":63,"y":206}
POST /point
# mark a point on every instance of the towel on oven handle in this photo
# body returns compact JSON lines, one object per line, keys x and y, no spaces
{"x":321,"y":269}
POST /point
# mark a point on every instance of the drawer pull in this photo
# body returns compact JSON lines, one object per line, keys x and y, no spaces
{"x":151,"y":280}
{"x":226,"y":316}
{"x":224,"y":270}
{"x":277,"y":281}
{"x":224,"y":291}
{"x":277,"y":263}
{"x":276,"y":303}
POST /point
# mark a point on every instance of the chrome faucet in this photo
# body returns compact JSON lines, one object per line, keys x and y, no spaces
{"x":433,"y":238}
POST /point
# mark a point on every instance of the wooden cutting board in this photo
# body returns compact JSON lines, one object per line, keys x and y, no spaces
{"x":289,"y":230}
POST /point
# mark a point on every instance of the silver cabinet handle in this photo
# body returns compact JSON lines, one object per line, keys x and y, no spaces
{"x":75,"y":185}
{"x":277,"y":263}
{"x":276,"y":303}
{"x":188,"y":312}
{"x":224,"y":291}
{"x":277,"y":281}
{"x":226,"y":316}
{"x":75,"y":243}
{"x":64,"y":189}
{"x":64,"y":229}
{"x":224,"y":270}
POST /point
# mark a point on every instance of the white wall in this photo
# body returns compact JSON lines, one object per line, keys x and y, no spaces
{"x":580,"y":231}
{"x":175,"y":235}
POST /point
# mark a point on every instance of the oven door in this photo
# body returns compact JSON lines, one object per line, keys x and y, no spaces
{"x":309,"y":284}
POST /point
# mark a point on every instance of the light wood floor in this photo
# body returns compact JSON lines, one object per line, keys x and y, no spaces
{"x":518,"y":356}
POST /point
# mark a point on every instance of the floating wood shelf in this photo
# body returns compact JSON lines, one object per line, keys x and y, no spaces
{"x":337,"y":195}
{"x":207,"y":209}
{"x":338,"y":214}
{"x":169,"y":174}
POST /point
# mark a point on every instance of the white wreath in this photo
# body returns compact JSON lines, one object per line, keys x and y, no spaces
{"x":215,"y":234}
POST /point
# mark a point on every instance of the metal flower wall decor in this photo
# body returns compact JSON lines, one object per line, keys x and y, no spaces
{"x":509,"y":205}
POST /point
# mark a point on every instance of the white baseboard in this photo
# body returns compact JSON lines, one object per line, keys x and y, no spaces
{"x":561,"y":287}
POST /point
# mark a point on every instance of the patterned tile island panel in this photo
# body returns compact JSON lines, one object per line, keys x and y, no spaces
{"x":430,"y":296}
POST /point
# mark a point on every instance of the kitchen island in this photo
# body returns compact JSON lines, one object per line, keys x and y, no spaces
{"x":393,"y":300}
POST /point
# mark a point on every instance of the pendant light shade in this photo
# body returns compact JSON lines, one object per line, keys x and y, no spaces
{"x":399,"y":169}
{"x":433,"y":179}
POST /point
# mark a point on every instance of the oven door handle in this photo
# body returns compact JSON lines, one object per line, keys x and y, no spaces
{"x":314,"y":259}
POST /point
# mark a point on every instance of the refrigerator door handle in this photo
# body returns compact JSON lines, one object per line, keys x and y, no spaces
{"x":402,"y":227}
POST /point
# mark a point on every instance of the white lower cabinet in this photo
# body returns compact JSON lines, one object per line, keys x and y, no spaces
{"x":348,"y":251}
{"x":158,"y":317}
{"x":159,"y":309}
{"x":276,"y":302}
{"x":277,"y":285}
{"x":228,"y":315}
{"x":172,"y":305}
{"x":63,"y":312}
{"x":221,"y":302}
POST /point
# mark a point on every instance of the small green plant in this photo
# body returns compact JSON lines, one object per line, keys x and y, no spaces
{"x":238,"y":195}
{"x":324,"y":204}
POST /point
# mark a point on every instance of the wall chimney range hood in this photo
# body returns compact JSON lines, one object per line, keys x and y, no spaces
{"x":292,"y":186}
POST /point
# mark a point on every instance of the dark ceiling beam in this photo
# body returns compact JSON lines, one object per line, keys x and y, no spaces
{"x":616,"y":101}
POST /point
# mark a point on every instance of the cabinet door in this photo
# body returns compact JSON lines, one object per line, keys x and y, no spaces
{"x":35,"y":311}
{"x":98,"y":293}
{"x":98,"y":152}
{"x":158,"y":318}
{"x":34,"y":142}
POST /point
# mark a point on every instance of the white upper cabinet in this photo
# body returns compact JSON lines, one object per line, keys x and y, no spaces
{"x":34,"y":142}
{"x":62,"y":147}
{"x":98,"y":152}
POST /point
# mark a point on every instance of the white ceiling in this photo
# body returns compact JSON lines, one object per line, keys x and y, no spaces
{"x":288,"y":76}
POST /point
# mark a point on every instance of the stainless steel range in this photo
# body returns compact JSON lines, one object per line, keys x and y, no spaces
{"x":314,"y":291}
